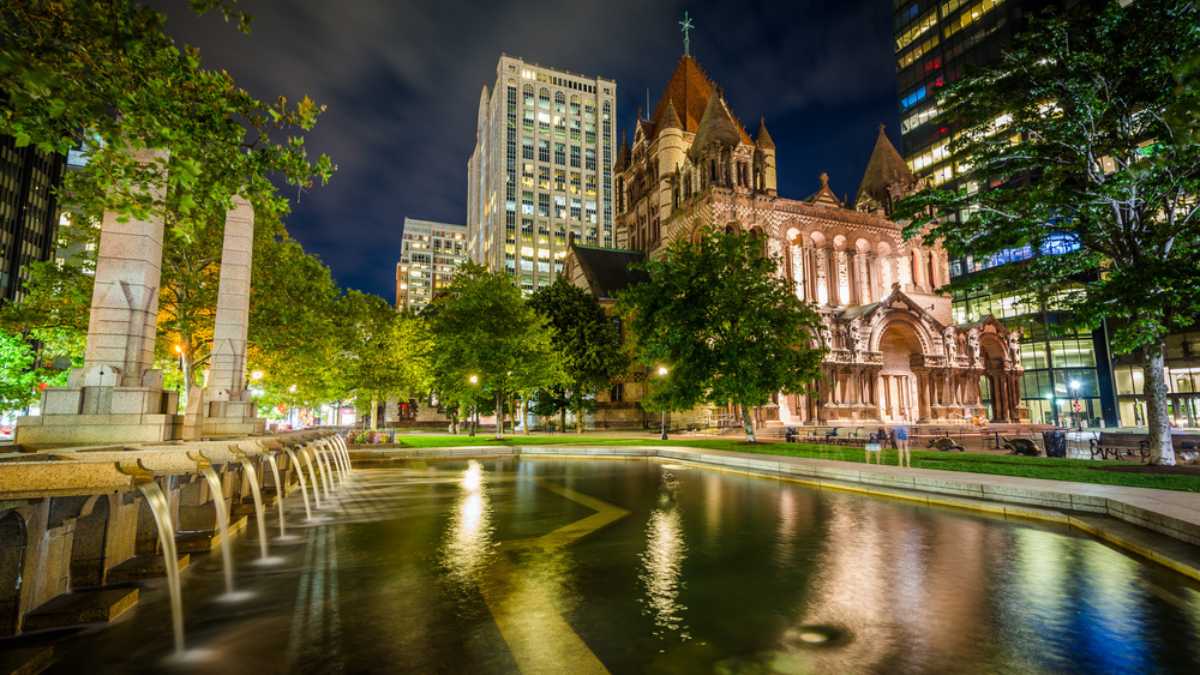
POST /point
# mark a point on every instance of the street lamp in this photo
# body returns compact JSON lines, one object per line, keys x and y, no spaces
{"x":473,"y":380}
{"x":1076,"y":409}
{"x":182,"y":373}
{"x":662,"y":374}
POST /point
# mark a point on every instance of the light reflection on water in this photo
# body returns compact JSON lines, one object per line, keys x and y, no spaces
{"x":457,"y":568}
{"x":467,"y":548}
{"x":662,"y":565}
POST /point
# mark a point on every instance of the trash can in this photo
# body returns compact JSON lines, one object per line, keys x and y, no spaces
{"x":1055,"y":443}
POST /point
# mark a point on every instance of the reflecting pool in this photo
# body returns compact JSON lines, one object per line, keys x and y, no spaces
{"x":640,"y":566}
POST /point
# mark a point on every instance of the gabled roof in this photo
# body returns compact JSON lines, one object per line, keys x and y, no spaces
{"x":896,"y":296}
{"x":609,"y":270}
{"x":688,"y":91}
{"x":824,"y":196}
{"x":670,"y":119}
{"x":886,"y":167}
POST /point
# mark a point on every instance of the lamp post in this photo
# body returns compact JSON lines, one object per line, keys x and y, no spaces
{"x":183,"y":383}
{"x":473,"y":380}
{"x":662,"y":372}
{"x":1076,"y":409}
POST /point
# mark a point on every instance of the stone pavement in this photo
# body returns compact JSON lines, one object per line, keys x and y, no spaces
{"x":1168,"y":512}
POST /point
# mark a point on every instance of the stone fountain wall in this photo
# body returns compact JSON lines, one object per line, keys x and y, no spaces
{"x":75,"y":530}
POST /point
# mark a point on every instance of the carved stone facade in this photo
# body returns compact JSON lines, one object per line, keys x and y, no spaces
{"x":894,"y":353}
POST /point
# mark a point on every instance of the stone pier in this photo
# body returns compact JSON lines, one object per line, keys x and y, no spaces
{"x":229,"y":409}
{"x":117,"y":395}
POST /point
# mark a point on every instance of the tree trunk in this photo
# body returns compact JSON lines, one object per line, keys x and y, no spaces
{"x":471,"y":419}
{"x":748,"y":424}
{"x":579,"y":419}
{"x":374,"y":414}
{"x":525,"y":415}
{"x":499,"y":416}
{"x":337,"y":414}
{"x":1162,"y":451}
{"x":562,"y":421}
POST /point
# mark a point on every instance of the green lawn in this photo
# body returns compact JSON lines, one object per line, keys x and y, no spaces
{"x":1078,"y":470}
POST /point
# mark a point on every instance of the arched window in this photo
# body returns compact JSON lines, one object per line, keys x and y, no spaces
{"x":560,"y":102}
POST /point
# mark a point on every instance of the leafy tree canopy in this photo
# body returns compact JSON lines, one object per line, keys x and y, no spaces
{"x":481,"y":326}
{"x":1079,"y":147}
{"x":725,"y":325}
{"x":587,"y":341}
{"x":107,"y":74}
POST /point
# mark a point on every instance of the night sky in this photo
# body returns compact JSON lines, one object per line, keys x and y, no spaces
{"x":401,"y":80}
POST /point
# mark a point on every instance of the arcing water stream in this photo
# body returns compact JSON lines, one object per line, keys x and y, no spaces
{"x":218,"y":497}
{"x":166,"y":538}
{"x":303,"y":483}
{"x":252,"y":476}
{"x":279,"y":492}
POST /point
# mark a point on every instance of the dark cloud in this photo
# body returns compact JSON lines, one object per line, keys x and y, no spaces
{"x":401,"y":80}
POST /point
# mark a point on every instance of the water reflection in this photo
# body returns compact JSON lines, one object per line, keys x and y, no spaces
{"x":467,"y":547}
{"x":662,"y":563}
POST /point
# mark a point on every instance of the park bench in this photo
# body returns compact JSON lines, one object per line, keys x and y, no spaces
{"x":1021,"y":446}
{"x":1119,"y":446}
{"x":1128,"y":446}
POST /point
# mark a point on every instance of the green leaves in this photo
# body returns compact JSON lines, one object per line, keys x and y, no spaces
{"x":724,"y":324}
{"x":482,"y":327}
{"x":1077,"y":135}
{"x":586,"y":340}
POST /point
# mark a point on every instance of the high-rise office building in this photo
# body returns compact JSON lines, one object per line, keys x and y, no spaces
{"x":541,"y":169}
{"x":429,"y":254}
{"x":28,"y":211}
{"x":1067,"y":375}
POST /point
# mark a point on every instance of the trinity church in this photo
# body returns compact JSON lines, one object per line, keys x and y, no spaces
{"x":894,"y":353}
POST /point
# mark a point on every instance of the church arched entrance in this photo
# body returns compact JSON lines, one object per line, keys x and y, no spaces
{"x":899,"y":395}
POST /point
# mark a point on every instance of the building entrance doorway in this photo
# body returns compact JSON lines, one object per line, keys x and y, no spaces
{"x":899,"y":396}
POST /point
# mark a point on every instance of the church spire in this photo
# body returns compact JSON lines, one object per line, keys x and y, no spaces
{"x":763,"y":138}
{"x":887,"y":174}
{"x":670,"y":118}
{"x":686,"y":26}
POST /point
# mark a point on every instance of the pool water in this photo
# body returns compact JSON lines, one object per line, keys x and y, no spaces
{"x":579,"y":566}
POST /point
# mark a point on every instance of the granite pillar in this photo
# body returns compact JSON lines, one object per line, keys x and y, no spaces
{"x":230,"y":409}
{"x":117,"y":396}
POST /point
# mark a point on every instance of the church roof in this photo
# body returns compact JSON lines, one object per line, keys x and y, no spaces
{"x":609,"y":270}
{"x":886,"y":167}
{"x":896,"y":299}
{"x":688,"y":92}
{"x":670,"y":119}
{"x":717,"y":125}
{"x":622,"y":155}
{"x":763,"y":138}
{"x":824,"y":196}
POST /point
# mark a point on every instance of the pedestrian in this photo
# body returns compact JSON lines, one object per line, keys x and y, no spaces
{"x":874,"y":447}
{"x":901,"y":444}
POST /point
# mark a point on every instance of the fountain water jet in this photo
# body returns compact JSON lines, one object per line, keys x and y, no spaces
{"x":161,"y":510}
{"x":303,"y":483}
{"x":341,"y":443}
{"x":218,"y":497}
{"x":278,"y":495}
{"x":313,"y":473}
{"x":326,"y":479}
{"x":252,"y":476}
{"x":335,"y":467}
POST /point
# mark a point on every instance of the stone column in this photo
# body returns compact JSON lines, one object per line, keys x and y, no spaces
{"x":117,"y":397}
{"x":230,"y":409}
{"x":227,"y":378}
{"x":124,"y":313}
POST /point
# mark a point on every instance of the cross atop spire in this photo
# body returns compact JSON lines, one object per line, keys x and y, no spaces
{"x":686,"y":26}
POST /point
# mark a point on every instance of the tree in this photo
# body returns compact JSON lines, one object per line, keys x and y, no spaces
{"x":106,"y":74}
{"x":1078,"y":152}
{"x":383,"y":353}
{"x":18,"y":377}
{"x":488,"y":341}
{"x":587,"y":342}
{"x":722,"y":321}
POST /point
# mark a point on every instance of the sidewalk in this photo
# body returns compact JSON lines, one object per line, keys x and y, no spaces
{"x":1172,"y":513}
